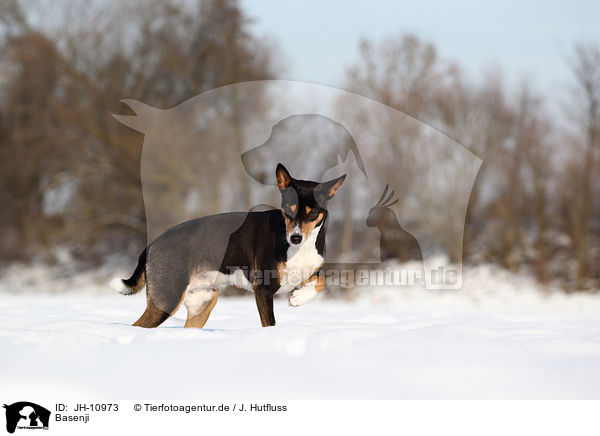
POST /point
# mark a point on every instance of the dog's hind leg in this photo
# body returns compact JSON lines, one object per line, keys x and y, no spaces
{"x":152,"y":316}
{"x":162,"y":301}
{"x":199,"y":303}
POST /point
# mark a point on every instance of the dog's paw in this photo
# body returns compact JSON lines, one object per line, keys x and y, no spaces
{"x":302,"y":295}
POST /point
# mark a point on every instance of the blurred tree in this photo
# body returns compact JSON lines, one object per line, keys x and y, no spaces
{"x":509,"y":214}
{"x":69,"y":172}
{"x":582,"y":204}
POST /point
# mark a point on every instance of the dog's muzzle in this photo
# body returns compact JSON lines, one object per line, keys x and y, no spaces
{"x":296,"y":236}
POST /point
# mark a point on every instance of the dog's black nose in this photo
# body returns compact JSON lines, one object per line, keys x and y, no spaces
{"x":296,"y":239}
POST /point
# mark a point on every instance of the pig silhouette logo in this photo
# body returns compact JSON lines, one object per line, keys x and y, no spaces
{"x":26,"y":415}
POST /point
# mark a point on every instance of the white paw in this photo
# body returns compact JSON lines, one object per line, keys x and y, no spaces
{"x":302,"y":295}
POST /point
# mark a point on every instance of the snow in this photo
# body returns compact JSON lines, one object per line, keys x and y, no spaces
{"x":501,"y":336}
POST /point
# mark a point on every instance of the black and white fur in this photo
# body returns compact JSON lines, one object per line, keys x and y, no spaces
{"x":264,"y":252}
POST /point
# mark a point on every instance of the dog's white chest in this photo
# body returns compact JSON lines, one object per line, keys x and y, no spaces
{"x":302,"y":261}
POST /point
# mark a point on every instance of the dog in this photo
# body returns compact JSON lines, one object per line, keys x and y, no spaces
{"x":265,"y":252}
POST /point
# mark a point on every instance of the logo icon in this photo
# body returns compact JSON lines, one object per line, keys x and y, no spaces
{"x":26,"y":415}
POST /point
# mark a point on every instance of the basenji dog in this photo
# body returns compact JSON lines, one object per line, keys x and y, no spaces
{"x":264,"y":252}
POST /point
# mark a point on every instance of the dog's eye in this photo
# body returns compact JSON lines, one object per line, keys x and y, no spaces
{"x":314,"y":214}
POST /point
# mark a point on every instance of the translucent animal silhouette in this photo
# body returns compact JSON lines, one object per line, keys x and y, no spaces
{"x":395,"y":242}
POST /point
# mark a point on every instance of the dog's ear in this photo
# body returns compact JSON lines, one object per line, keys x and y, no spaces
{"x":283,"y":177}
{"x":330,"y":188}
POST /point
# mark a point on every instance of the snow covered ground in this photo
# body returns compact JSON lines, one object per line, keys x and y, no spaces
{"x":499,"y":337}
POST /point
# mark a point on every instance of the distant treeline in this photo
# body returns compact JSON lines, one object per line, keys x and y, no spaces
{"x":69,"y":172}
{"x":535,"y":204}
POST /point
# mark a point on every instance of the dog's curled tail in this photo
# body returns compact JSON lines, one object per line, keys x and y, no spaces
{"x":136,"y":282}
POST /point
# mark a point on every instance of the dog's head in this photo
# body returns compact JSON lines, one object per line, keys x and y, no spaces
{"x":303,"y":204}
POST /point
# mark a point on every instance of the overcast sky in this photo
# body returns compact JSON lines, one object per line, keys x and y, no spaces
{"x":525,"y":39}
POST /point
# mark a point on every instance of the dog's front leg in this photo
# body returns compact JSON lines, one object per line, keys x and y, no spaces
{"x":264,"y":302}
{"x":307,"y":291}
